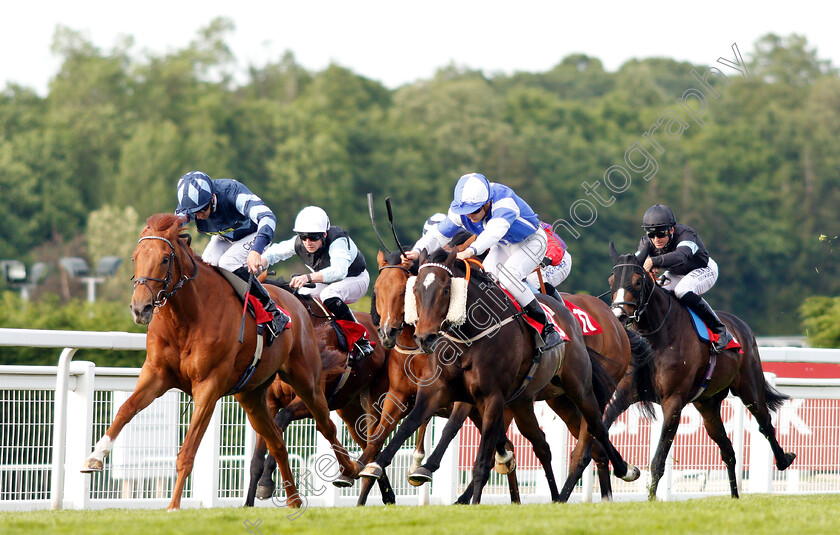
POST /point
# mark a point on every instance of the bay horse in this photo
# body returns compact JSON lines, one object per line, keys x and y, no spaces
{"x":685,"y":371}
{"x":476,"y":368}
{"x":349,"y":396}
{"x":613,"y":348}
{"x":192,"y":344}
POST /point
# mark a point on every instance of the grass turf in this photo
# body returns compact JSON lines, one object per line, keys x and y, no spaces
{"x":811,"y":514}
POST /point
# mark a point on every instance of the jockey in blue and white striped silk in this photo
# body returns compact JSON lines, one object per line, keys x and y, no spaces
{"x":241,"y":226}
{"x":505,"y":226}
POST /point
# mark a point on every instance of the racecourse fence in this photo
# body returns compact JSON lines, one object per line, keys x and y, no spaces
{"x":51,"y":416}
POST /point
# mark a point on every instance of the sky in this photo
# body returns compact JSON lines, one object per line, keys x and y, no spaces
{"x":398,"y":42}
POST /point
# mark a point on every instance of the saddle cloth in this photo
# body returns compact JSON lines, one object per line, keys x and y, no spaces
{"x":706,"y":334}
{"x":534,"y":323}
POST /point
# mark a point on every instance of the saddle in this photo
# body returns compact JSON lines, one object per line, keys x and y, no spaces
{"x":255,"y":307}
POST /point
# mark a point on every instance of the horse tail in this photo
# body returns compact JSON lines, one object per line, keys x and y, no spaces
{"x":774,"y":398}
{"x":603,"y":384}
{"x":642,"y":357}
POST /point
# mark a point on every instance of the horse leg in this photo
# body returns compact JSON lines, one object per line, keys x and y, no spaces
{"x":755,"y":399}
{"x":205,"y":403}
{"x":492,"y":433}
{"x":671,"y":409}
{"x":580,"y":392}
{"x":352,"y":413}
{"x":528,"y":425}
{"x":419,"y":448}
{"x":258,"y":463}
{"x":393,"y":409}
{"x":429,"y":400}
{"x":254,"y":404}
{"x":151,"y":384}
{"x":710,"y":411}
{"x":309,"y":390}
{"x":423,"y":474}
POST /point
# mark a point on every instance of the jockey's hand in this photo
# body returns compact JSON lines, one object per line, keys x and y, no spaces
{"x":648,"y":265}
{"x":299,"y":281}
{"x":469,"y":252}
{"x":410,"y":256}
{"x":255,"y":262}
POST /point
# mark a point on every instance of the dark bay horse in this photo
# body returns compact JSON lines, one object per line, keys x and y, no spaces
{"x":683,"y":370}
{"x":490,"y":371}
{"x":351,"y":396}
{"x":611,"y":348}
{"x":192,"y":344}
{"x":408,"y":365}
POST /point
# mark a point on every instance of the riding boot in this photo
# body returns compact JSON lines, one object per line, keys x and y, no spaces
{"x":549,"y":334}
{"x":551,"y":291}
{"x":702,"y":309}
{"x":341,"y":311}
{"x":279,"y":319}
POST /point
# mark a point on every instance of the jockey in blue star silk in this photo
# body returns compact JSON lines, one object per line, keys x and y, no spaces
{"x":337,"y":266}
{"x":240,"y":225}
{"x":507,"y":229}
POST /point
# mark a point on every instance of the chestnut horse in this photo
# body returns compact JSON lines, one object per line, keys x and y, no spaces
{"x":192,"y":344}
{"x":611,"y":348}
{"x":476,"y":368}
{"x":685,"y":371}
{"x":349,"y":396}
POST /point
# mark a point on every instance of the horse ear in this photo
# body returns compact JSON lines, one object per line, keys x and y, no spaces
{"x":450,"y":260}
{"x":423,"y":257}
{"x":380,"y":258}
{"x":613,"y":253}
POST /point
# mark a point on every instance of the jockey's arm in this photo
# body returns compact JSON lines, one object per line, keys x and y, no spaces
{"x":342,"y":252}
{"x":278,"y":251}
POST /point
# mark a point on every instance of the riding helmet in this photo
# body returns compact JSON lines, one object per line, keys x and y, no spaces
{"x":658,"y":216}
{"x":195,"y":191}
{"x":312,"y":219}
{"x":471,"y":193}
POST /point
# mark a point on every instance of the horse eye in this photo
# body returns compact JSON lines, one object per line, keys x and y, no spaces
{"x":446,"y":291}
{"x":165,"y":260}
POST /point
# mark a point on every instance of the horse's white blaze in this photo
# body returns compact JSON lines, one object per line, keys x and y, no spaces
{"x":430,"y":278}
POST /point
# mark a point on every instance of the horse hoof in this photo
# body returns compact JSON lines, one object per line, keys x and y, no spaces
{"x":789,"y":458}
{"x":92,"y":465}
{"x":416,"y":461}
{"x":265,"y":492}
{"x":343,"y":482}
{"x":504,"y":465}
{"x":372,"y":470}
{"x":419,"y":476}
{"x":632,"y":474}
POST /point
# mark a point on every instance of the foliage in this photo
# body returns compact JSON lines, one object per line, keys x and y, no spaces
{"x":755,"y":177}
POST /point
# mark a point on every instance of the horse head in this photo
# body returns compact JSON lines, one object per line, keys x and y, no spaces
{"x":432,"y":294}
{"x":159,"y":265}
{"x":629,"y":285}
{"x":388,"y":310}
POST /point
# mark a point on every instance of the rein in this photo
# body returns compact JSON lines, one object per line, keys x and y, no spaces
{"x":166,"y":292}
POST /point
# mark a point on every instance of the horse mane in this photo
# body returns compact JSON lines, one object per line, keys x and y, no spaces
{"x":164,"y":222}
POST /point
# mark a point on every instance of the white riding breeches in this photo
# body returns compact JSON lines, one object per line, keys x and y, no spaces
{"x":511,"y":263}
{"x":698,"y":281}
{"x":230,"y":255}
{"x":553,"y":275}
{"x":348,"y":289}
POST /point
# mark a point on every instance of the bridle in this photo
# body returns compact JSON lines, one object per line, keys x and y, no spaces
{"x":166,"y":292}
{"x":408,"y":274}
{"x":644,"y":299}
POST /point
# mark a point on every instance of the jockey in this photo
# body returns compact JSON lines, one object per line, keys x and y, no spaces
{"x":505,"y":226}
{"x":690,"y":270}
{"x":555,"y":267}
{"x":337,"y":265}
{"x":241,"y":226}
